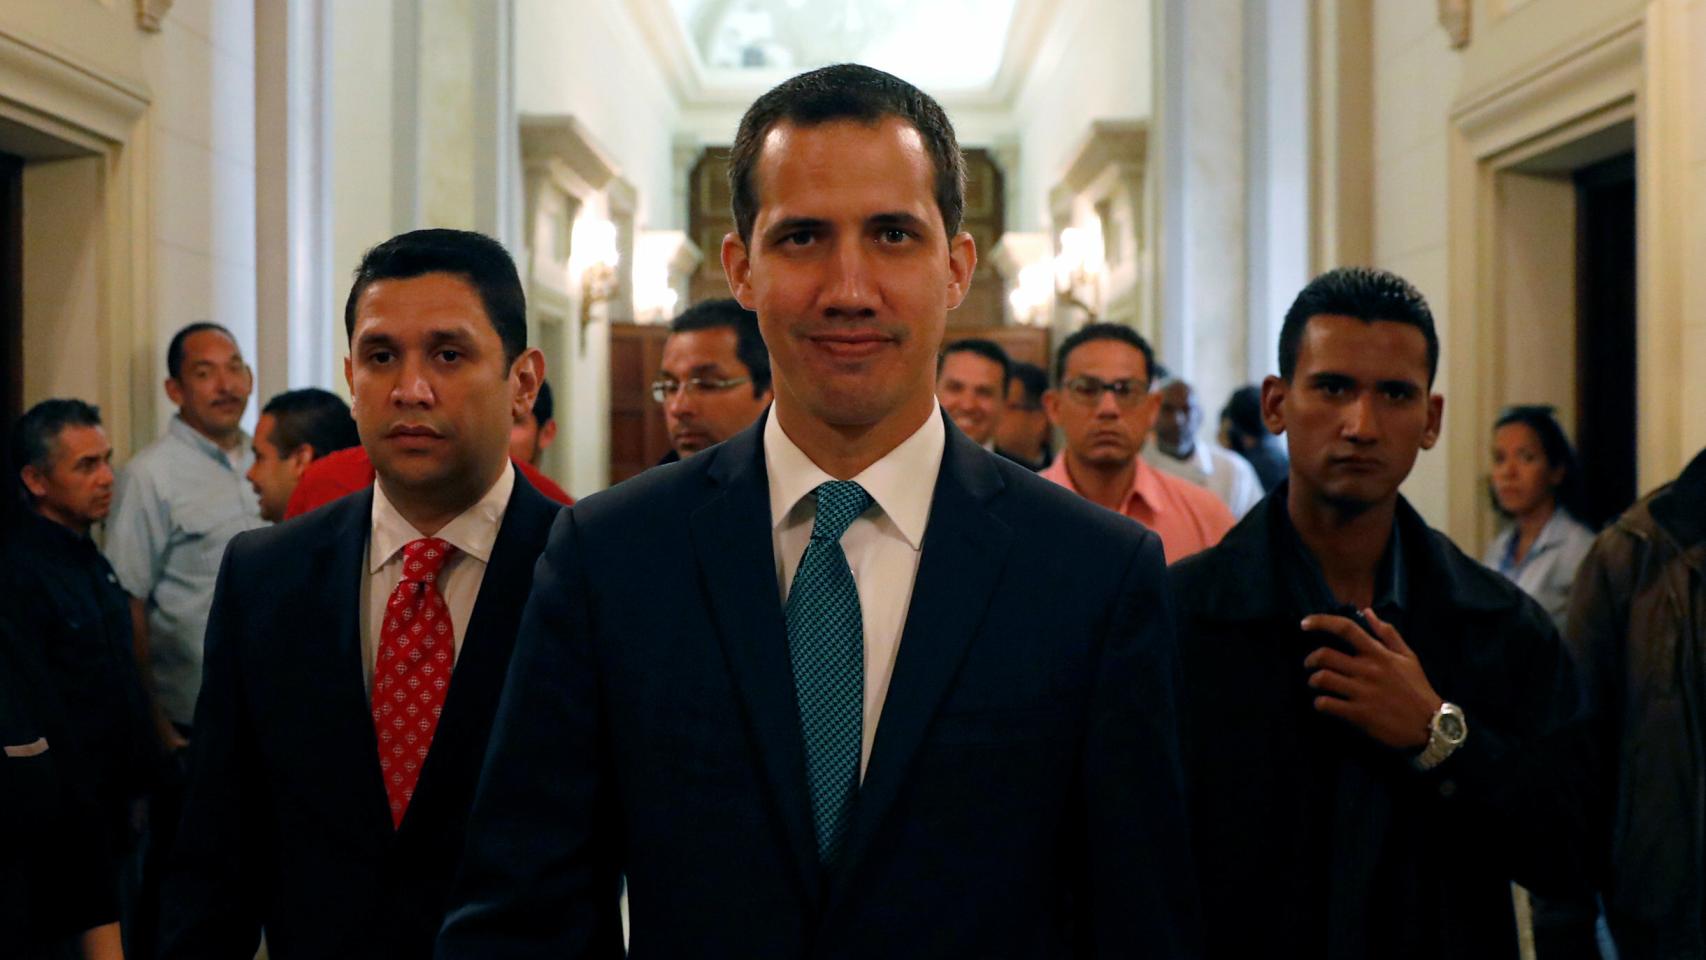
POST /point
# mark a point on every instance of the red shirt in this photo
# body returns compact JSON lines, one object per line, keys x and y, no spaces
{"x":346,"y":471}
{"x":1186,"y":517}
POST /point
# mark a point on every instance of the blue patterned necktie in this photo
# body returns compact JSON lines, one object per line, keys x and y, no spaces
{"x":826,"y":642}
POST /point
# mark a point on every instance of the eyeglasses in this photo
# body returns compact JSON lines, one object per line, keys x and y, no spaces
{"x":663,"y":388}
{"x":1088,"y":390}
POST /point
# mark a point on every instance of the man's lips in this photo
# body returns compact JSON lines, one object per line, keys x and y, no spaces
{"x":851,"y":344}
{"x":1356,"y":464}
{"x":412,"y":431}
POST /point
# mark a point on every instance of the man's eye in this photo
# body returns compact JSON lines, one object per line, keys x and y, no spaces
{"x":798,"y":238}
{"x":379,"y":356}
{"x":450,"y":356}
{"x":895,"y":235}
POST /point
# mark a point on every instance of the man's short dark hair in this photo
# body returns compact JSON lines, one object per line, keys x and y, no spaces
{"x":175,"y":349}
{"x":318,"y":418}
{"x":1092,"y":332}
{"x":987,"y":349}
{"x":1365,"y":294}
{"x":1033,"y":379}
{"x":846,"y":91}
{"x":543,"y":406}
{"x":749,"y":342}
{"x":475,"y":257}
{"x":37,"y":431}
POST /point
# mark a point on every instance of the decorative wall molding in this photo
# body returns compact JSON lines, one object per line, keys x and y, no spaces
{"x":150,"y":13}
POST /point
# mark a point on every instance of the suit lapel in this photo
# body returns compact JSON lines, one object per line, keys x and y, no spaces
{"x":458,"y":746}
{"x":342,"y":558}
{"x":732,"y":545}
{"x":964,"y":550}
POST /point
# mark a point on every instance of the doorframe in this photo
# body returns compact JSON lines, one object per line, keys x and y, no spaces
{"x":108,"y":117}
{"x":1602,"y":81}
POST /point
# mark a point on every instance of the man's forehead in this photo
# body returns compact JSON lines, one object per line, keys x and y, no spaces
{"x":847,"y":151}
{"x":1365,"y":349}
{"x":1105,"y":358}
{"x":82,"y":439}
{"x":970,"y":365}
{"x":209,"y":345}
{"x":712,"y":345}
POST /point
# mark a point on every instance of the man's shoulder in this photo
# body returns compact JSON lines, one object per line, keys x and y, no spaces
{"x":1042,"y":503}
{"x":655,"y":495}
{"x":289,"y":543}
{"x":1197,"y":499}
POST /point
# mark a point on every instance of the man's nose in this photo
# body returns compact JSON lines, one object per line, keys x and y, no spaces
{"x":1107,"y":405}
{"x":850,"y":289}
{"x":1361,"y":423}
{"x":413,"y":388}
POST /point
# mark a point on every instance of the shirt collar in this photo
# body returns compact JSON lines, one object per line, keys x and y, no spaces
{"x":1309,"y":586}
{"x":473,"y":532}
{"x":902,"y":482}
{"x":190,"y":435}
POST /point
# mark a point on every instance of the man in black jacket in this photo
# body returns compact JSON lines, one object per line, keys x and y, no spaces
{"x":1380,"y":735}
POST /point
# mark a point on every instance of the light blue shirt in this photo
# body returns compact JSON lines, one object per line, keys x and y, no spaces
{"x":1549,"y":570}
{"x":179,"y":502}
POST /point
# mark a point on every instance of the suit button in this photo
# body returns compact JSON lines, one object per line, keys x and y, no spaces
{"x":1448,"y":788}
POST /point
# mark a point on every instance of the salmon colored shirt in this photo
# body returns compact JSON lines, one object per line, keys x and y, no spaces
{"x":1186,"y":517}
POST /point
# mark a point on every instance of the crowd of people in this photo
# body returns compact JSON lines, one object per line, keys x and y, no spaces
{"x":875,"y":663}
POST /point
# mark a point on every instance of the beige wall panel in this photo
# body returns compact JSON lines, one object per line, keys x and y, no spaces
{"x":62,"y":302}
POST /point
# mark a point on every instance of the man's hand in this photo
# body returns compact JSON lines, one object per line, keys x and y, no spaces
{"x":1381,"y":689}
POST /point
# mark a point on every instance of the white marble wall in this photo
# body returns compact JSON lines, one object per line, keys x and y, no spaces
{"x":200,"y":71}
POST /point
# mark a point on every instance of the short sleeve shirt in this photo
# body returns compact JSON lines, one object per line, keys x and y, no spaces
{"x":179,"y":502}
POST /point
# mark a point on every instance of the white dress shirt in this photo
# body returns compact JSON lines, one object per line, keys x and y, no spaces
{"x":1226,"y":474}
{"x":472,"y":533}
{"x":882,"y":546}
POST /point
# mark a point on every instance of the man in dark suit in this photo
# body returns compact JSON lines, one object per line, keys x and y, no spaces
{"x":711,"y":646}
{"x":333,"y":763}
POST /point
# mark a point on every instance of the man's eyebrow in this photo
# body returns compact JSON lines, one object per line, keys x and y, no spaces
{"x":789,"y":225}
{"x":897,"y":218}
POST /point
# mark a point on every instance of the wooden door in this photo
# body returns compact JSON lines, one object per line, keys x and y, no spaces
{"x":638,"y":438}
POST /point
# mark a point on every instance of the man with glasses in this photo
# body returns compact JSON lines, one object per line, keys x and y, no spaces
{"x":714,"y":379}
{"x":1103,"y":404}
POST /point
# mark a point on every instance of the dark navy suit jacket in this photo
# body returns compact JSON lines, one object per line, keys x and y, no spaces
{"x":286,"y":824}
{"x":1023,"y":796}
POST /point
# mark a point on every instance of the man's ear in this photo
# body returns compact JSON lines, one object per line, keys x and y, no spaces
{"x":737,"y":268}
{"x":175,"y":391}
{"x":528,"y":372}
{"x":1436,"y":420}
{"x":34,"y":481}
{"x":1051,"y":406}
{"x":547,"y":433}
{"x":962,"y":262}
{"x":301,"y":457}
{"x":1273,"y":404}
{"x":349,"y":377}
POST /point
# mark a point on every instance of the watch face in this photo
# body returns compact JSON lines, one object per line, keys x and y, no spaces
{"x":1451,"y":727}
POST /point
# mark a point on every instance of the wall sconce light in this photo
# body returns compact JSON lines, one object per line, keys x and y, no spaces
{"x":655,"y":296}
{"x":593,"y":258}
{"x":1080,"y":269}
{"x":1033,"y":293}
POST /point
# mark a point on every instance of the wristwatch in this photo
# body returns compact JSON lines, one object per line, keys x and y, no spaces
{"x":1446,"y":732}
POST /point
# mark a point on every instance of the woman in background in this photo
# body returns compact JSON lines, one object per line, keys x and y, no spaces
{"x":1537,"y":486}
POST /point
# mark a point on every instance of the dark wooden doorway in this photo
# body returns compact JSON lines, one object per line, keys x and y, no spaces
{"x":1606,"y":414}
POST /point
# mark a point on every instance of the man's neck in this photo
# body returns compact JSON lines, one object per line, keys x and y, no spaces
{"x":1102,"y":483}
{"x":432,"y":508}
{"x":1181,"y":452}
{"x":844,"y":452}
{"x":73,"y":524}
{"x":227,"y":440}
{"x":1347,"y":541}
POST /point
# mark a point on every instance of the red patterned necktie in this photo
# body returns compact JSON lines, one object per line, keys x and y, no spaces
{"x":417,"y":650}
